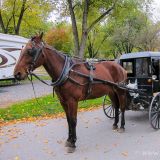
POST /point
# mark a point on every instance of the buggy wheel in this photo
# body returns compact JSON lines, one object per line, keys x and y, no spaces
{"x":154,"y":112}
{"x":109,"y":111}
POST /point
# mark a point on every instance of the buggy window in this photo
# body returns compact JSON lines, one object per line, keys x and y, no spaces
{"x":155,"y":67}
{"x":142,"y":67}
{"x":128,"y":66}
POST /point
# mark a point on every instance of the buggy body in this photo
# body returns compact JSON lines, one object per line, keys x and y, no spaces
{"x":143,"y":71}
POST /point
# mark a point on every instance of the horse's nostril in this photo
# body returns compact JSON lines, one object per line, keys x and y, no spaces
{"x":18,"y":76}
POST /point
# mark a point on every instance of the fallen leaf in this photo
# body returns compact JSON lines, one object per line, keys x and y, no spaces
{"x":46,"y":141}
{"x":1,"y":143}
{"x":16,"y":158}
{"x":115,"y":144}
{"x":125,"y":154}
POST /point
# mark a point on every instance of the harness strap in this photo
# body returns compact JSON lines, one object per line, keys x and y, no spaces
{"x":31,"y":80}
{"x":90,"y":80}
{"x":64,"y":74}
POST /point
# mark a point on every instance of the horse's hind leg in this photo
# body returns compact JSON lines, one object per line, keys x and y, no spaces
{"x":122,"y":121}
{"x":122,"y":100}
{"x":115,"y":103}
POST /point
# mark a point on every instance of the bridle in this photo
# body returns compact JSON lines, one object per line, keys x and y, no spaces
{"x":35,"y":53}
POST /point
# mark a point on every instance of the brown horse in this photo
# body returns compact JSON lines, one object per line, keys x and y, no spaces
{"x":72,"y":80}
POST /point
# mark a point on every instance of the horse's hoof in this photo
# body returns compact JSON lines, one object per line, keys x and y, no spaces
{"x":121,"y":130}
{"x":71,"y":149}
{"x":114,"y":127}
{"x":67,"y":144}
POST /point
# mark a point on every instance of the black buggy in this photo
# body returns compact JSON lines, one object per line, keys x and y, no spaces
{"x":143,"y":70}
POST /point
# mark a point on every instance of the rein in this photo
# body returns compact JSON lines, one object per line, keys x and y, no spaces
{"x":67,"y":68}
{"x":34,"y":91}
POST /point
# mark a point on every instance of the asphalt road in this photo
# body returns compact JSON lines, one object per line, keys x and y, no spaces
{"x":44,"y":140}
{"x":15,"y":93}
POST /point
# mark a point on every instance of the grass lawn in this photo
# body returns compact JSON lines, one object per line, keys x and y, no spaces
{"x":48,"y":106}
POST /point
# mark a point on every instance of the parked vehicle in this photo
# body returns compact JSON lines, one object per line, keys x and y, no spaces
{"x":10,"y":48}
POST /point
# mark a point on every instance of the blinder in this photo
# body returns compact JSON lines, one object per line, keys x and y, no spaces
{"x":35,"y":53}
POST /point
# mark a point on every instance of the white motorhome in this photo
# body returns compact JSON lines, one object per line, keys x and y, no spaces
{"x":10,"y":48}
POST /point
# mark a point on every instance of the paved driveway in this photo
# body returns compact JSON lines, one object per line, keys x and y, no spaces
{"x":12,"y":94}
{"x":44,"y":140}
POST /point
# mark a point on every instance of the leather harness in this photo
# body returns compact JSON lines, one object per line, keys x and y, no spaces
{"x":35,"y":52}
{"x":68,"y":67}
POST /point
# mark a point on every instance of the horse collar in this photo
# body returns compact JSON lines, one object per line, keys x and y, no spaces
{"x":64,"y":74}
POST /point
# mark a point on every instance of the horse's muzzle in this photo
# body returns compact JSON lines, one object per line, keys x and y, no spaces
{"x":18,"y":76}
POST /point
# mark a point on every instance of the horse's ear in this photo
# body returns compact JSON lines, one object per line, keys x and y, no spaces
{"x":41,"y":35}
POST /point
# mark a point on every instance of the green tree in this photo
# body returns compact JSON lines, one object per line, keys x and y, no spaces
{"x":95,"y":43}
{"x":149,"y":38}
{"x":86,"y":14}
{"x":80,"y":11}
{"x":24,"y":17}
{"x":124,"y":28}
{"x":60,"y":38}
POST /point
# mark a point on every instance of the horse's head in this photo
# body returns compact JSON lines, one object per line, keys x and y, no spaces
{"x":30,"y":58}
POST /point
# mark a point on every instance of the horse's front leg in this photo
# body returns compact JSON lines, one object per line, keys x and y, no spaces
{"x":70,"y":107}
{"x":70,"y":143}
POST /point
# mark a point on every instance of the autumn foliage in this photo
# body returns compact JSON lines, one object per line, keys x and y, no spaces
{"x":60,"y":38}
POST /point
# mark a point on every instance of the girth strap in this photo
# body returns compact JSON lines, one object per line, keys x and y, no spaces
{"x":91,"y":78}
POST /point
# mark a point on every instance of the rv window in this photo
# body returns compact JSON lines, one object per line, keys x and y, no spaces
{"x":128,"y":66}
{"x":142,"y":67}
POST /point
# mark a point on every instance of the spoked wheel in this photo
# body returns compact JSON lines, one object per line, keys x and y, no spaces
{"x":107,"y":108}
{"x":154,"y":112}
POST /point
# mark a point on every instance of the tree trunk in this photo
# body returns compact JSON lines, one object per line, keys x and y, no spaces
{"x":79,"y":49}
{"x":20,"y":17}
{"x":83,"y":45}
{"x":2,"y":23}
{"x":74,"y":28}
{"x":84,"y":29}
{"x":13,"y":13}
